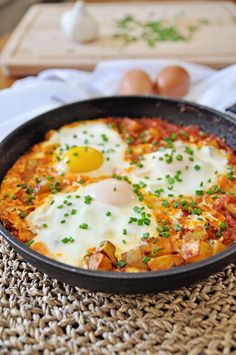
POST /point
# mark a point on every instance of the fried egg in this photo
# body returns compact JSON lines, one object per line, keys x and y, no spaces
{"x":69,"y":225}
{"x":91,"y":148}
{"x":183,"y":170}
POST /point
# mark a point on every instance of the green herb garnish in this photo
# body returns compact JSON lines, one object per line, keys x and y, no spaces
{"x":146,"y":259}
{"x":83,"y":226}
{"x":88,"y":199}
{"x":67,"y":240}
{"x":121,"y":263}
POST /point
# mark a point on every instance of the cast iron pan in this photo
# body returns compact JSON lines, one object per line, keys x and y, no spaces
{"x":180,"y":112}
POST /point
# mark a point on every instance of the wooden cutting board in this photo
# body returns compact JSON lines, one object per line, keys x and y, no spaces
{"x":38,"y":43}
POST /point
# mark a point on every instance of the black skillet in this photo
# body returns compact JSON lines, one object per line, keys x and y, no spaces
{"x":180,"y":112}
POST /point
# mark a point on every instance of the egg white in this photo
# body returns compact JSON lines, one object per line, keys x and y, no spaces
{"x":156,"y":173}
{"x":46,"y":222}
{"x":96,"y":135}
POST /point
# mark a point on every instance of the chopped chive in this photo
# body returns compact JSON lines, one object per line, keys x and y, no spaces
{"x":121,"y":263}
{"x":199,"y":192}
{"x":138,"y":209}
{"x":196,"y":211}
{"x":177,"y":227}
{"x":29,"y":243}
{"x":155,"y":251}
{"x":179,"y":157}
{"x":104,"y":137}
{"x":146,"y":235}
{"x":223,"y":226}
{"x":132,"y":219}
{"x":37,"y":179}
{"x":129,"y":140}
{"x":188,"y":150}
{"x":197,"y":167}
{"x":22,"y":215}
{"x":173,"y":136}
{"x":169,"y":159}
{"x":146,"y":259}
{"x":88,"y":199}
{"x":165,"y":203}
{"x":165,"y":234}
{"x":83,"y":226}
{"x":176,"y":204}
{"x":230,"y":175}
{"x":158,"y":193}
{"x":67,"y":240}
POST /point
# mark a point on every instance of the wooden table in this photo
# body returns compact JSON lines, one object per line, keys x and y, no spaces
{"x":5,"y":81}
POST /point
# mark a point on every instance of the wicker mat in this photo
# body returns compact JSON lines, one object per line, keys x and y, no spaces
{"x":39,"y":315}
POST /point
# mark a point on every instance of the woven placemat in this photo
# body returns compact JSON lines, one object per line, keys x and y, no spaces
{"x":40,"y":315}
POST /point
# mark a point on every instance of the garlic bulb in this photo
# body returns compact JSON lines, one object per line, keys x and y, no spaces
{"x":78,"y":24}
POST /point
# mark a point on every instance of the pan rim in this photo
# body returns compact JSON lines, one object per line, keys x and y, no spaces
{"x":225,"y":116}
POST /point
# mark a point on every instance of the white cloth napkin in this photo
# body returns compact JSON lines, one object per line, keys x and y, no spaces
{"x":54,"y":87}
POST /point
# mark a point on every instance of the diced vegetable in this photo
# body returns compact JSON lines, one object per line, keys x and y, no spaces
{"x":109,"y":250}
{"x":134,"y":258}
{"x":165,"y":262}
{"x":217,"y":247}
{"x":161,"y":246}
{"x":196,"y":251}
{"x":198,"y":233}
{"x":98,"y":261}
{"x":232,"y":209}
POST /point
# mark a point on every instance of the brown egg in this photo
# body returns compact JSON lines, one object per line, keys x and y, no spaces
{"x":136,"y":82}
{"x":173,"y":81}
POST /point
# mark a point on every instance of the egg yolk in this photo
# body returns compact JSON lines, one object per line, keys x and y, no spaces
{"x":83,"y":159}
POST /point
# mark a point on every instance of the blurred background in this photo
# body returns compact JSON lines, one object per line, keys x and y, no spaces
{"x":33,"y":48}
{"x":11,"y":11}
